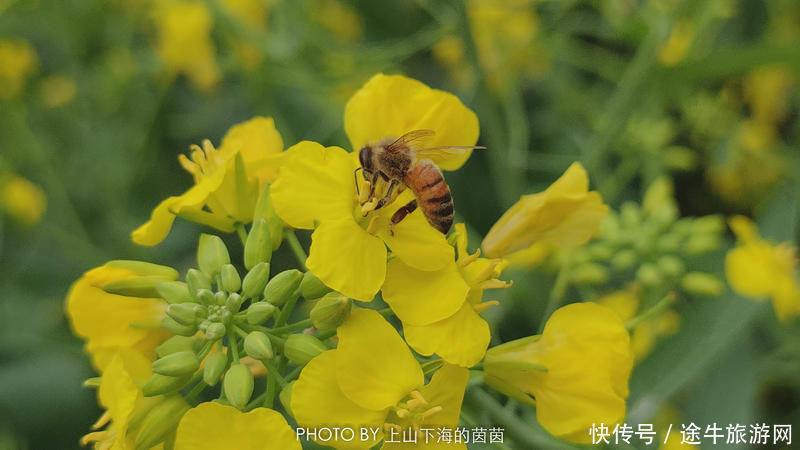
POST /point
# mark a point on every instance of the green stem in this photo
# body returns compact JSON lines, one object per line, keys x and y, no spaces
{"x":280,"y":321}
{"x":558,"y":292}
{"x":653,"y":312}
{"x":519,"y":431}
{"x":273,"y":377}
{"x":273,"y":371}
{"x":301,"y":325}
{"x":240,"y":230}
{"x":190,"y":397}
{"x":293,"y":374}
{"x":232,"y":344}
{"x":297,"y":249}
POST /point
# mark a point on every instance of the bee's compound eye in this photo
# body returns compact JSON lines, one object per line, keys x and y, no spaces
{"x":364,"y":156}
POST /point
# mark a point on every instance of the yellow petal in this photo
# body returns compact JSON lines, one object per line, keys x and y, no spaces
{"x":414,"y":241}
{"x":744,"y":229}
{"x":786,"y":298}
{"x":624,"y":302}
{"x":318,"y":401}
{"x":108,"y":321}
{"x":255,"y":139}
{"x":421,"y":297}
{"x":156,"y":229}
{"x":587,"y":352}
{"x":315,"y":183}
{"x":347,"y":259}
{"x":392,"y":105}
{"x":212,"y":426}
{"x":565,"y":215}
{"x":375,"y":368}
{"x":118,"y":392}
{"x":460,"y":339}
{"x":446,"y":389}
{"x":749,"y":270}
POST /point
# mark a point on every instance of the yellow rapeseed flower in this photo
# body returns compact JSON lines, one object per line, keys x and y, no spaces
{"x":253,"y":15}
{"x":19,"y":63}
{"x":112,"y":322}
{"x":565,"y":215}
{"x":440,"y":308}
{"x":677,"y":45}
{"x":373,"y":380}
{"x":316,"y":187}
{"x":21,"y":199}
{"x":227,"y":181}
{"x":760,"y":270}
{"x":212,"y":426}
{"x":184,"y":41}
{"x":339,"y":18}
{"x":576,"y":373}
{"x":57,"y":90}
{"x":121,"y":396}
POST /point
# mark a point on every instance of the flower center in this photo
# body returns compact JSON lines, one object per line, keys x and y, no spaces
{"x":412,"y":412}
{"x":201,"y":161}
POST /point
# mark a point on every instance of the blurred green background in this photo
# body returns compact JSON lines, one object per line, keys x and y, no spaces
{"x":97,"y":98}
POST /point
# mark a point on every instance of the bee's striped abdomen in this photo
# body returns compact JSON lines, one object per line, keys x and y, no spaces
{"x":433,"y":194}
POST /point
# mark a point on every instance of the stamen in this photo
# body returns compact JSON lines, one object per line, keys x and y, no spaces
{"x":488,"y":272}
{"x":102,"y":421}
{"x":494,"y":283}
{"x":481,"y":307}
{"x":95,"y":436}
{"x":417,"y":396}
{"x":188,"y":165}
{"x":391,"y":426}
{"x":368,"y":207}
{"x":414,"y":404}
{"x":465,"y":261}
{"x":402,"y":413}
{"x":373,"y":225}
{"x":431,"y":412}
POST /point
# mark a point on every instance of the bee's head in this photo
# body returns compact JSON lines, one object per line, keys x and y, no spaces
{"x":365,"y":158}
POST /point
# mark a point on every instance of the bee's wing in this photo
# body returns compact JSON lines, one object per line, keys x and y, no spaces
{"x":412,"y":139}
{"x":445,"y":152}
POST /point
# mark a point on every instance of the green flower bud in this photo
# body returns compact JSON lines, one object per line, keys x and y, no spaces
{"x":144,"y":268}
{"x":176,"y":364}
{"x":215,"y":331}
{"x":713,"y":224}
{"x":286,"y":398}
{"x":312,"y":287}
{"x":302,"y":348}
{"x":589,"y":273}
{"x":197,"y":280}
{"x":238,"y":385}
{"x":161,"y":421}
{"x":258,"y":346}
{"x":258,"y":246}
{"x":670,"y":265}
{"x":701,"y":243}
{"x":176,"y":328}
{"x":212,"y":254}
{"x":330,"y":311}
{"x":234,"y":302}
{"x":174,"y":291}
{"x":601,"y":251}
{"x":144,"y":287}
{"x":159,"y":384}
{"x":265,"y":210}
{"x":624,"y":259}
{"x":283,"y":287}
{"x":700,"y":283}
{"x":679,"y":158}
{"x":668,"y":242}
{"x":183,"y":313}
{"x":630,"y":215}
{"x":258,"y":313}
{"x":648,"y":275}
{"x":255,"y":280}
{"x":215,"y":366}
{"x":176,"y":344}
{"x":206,"y":297}
{"x":220,"y":298}
{"x":231,"y":281}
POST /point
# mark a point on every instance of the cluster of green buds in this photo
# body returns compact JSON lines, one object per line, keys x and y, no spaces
{"x":651,"y":244}
{"x":230,"y":329}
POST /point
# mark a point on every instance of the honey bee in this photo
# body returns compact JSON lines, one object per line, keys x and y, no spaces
{"x":401,"y":163}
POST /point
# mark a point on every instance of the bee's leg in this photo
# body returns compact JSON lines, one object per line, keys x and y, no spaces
{"x":401,"y":214}
{"x":372,"y":183}
{"x":385,"y":198}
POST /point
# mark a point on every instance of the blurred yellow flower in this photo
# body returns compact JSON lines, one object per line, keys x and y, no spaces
{"x":22,"y":200}
{"x":121,"y":396}
{"x":760,"y":270}
{"x":227,"y":181}
{"x":112,"y":322}
{"x":372,"y":379}
{"x":440,"y":308}
{"x":213,"y":426}
{"x":252,"y":14}
{"x":576,"y":373}
{"x":57,"y":90}
{"x":184,"y":41}
{"x":316,"y":187}
{"x":565,"y":215}
{"x":341,"y":19}
{"x":677,"y":45}
{"x":19,"y":63}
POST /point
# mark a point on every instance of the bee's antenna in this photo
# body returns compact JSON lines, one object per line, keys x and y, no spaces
{"x":355,"y":178}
